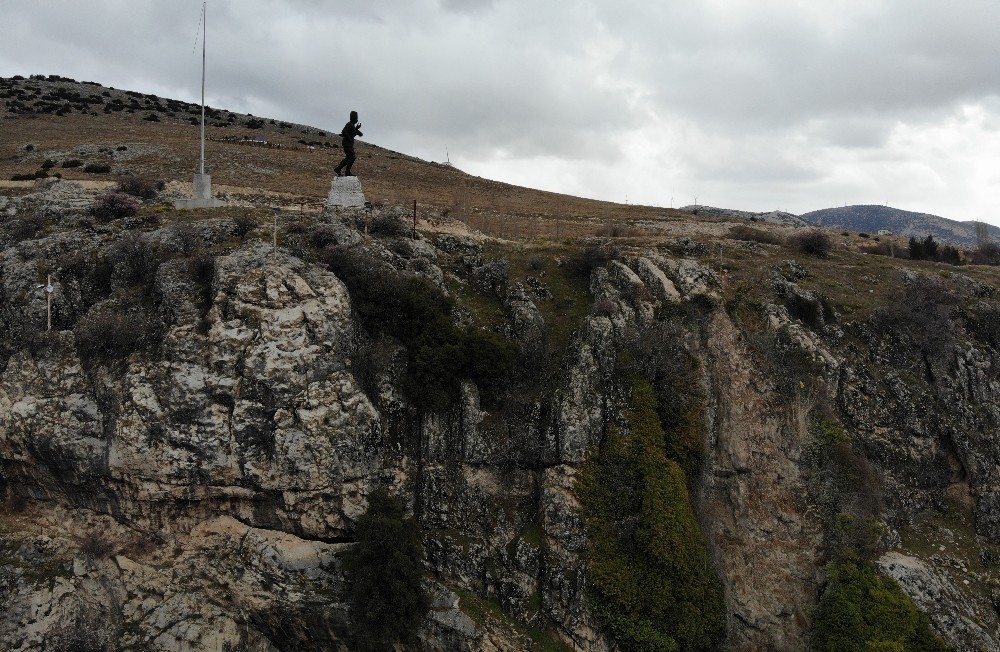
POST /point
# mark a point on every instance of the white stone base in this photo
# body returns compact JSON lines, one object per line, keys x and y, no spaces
{"x":202,"y":195}
{"x":182,"y":204}
{"x":346,"y":192}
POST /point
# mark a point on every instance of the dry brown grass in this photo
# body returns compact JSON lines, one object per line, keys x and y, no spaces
{"x":447,"y":199}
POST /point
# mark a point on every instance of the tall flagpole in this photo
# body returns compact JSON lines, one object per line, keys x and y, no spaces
{"x":204,"y":16}
{"x":202,"y":186}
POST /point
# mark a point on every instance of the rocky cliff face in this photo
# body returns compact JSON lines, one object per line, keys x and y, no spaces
{"x":185,"y":457}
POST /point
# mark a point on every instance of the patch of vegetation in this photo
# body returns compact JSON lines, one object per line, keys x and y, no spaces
{"x":815,"y":242}
{"x":864,"y":610}
{"x":139,"y":187}
{"x":929,"y":249}
{"x":389,"y":225}
{"x":244,"y":224}
{"x":415,"y":312}
{"x":919,"y":314}
{"x":846,"y":487}
{"x":481,"y":610}
{"x":112,"y":332}
{"x":588,"y":258}
{"x":650,"y":579}
{"x":81,"y":637}
{"x":114,"y":205}
{"x":384,"y":594}
{"x":681,"y":401}
{"x":790,"y":367}
{"x":811,"y":311}
{"x":750,"y":234}
{"x":95,"y":545}
{"x":97,"y":168}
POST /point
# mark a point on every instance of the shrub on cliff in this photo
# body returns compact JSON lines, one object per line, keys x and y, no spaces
{"x":112,"y":332}
{"x":384,"y":594}
{"x":415,"y":312}
{"x":650,"y":579}
{"x":864,"y":610}
{"x":114,"y":205}
{"x":920,"y":315}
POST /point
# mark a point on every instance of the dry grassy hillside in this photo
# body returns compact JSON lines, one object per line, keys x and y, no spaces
{"x":167,"y":148}
{"x":61,"y":120}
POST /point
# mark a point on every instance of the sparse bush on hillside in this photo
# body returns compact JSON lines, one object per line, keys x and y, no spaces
{"x":135,"y":260}
{"x":389,"y":225}
{"x":113,"y":206}
{"x":97,"y":168}
{"x":323,"y":235}
{"x":750,"y":234}
{"x":617,"y":230}
{"x":144,"y":189}
{"x":885,"y":248}
{"x":26,"y":228}
{"x":587,"y":259}
{"x":41,"y":174}
{"x":987,"y":253}
{"x":95,"y":545}
{"x":72,"y":163}
{"x":243,"y":224}
{"x":814,"y":242}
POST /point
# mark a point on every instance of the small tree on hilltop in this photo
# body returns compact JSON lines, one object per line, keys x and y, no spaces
{"x":386,"y":600}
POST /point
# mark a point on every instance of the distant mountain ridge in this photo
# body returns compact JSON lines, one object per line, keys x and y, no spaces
{"x":873,"y":218}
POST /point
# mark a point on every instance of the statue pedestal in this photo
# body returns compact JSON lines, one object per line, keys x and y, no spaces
{"x":202,"y":195}
{"x":346,"y":192}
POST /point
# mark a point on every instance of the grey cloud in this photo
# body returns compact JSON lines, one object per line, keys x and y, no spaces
{"x":752,"y":94}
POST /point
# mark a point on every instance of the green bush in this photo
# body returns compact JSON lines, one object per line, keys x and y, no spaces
{"x":418,"y":314}
{"x":97,"y":168}
{"x":383,"y":571}
{"x":862,"y":610}
{"x":650,"y":579}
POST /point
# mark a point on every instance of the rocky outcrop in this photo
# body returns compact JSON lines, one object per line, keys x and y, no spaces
{"x":756,"y":512}
{"x":199,"y":489}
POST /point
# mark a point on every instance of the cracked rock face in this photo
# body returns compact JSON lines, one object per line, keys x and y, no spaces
{"x":259,"y":417}
{"x":200,"y":496}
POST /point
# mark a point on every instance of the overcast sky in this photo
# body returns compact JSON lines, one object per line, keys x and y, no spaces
{"x":750,"y":104}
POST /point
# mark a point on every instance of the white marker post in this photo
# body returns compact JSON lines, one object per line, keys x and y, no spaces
{"x":274,"y":233}
{"x":48,"y":300}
